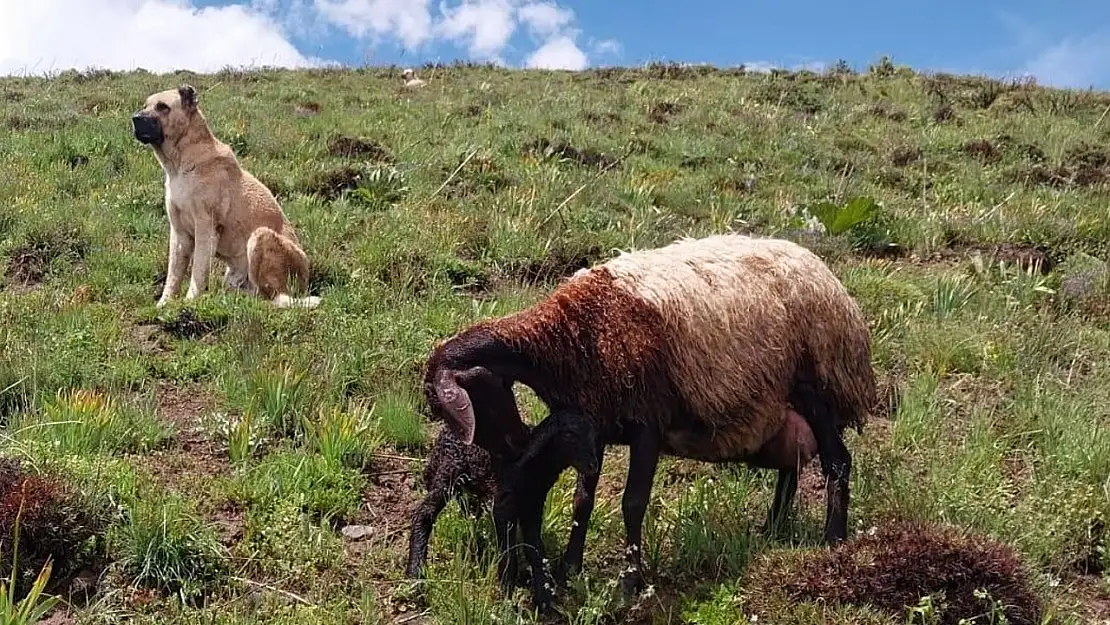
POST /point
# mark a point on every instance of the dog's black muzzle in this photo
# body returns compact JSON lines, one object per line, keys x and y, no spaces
{"x":147,"y":129}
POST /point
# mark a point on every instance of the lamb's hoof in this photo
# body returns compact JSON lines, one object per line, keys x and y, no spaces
{"x":631,"y":584}
{"x":543,"y":600}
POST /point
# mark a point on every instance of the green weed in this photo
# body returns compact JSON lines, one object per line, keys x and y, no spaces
{"x":163,"y":545}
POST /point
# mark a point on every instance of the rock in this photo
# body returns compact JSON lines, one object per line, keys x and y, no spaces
{"x":357,"y":532}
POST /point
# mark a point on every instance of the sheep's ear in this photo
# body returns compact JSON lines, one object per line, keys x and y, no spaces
{"x":456,"y":401}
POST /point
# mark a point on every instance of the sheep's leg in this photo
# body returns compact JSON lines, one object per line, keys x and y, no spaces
{"x":423,"y":518}
{"x":584,"y":497}
{"x":643,"y":460}
{"x":785,"y":488}
{"x":836,"y":463}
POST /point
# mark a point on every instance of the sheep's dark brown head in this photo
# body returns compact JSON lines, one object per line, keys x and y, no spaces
{"x":479,"y":407}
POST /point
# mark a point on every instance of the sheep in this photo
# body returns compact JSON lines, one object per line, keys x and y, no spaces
{"x":729,"y":348}
{"x":411,"y":81}
{"x":469,"y":473}
{"x":452,"y":470}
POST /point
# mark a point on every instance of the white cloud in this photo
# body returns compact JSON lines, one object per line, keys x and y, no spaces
{"x":559,"y":53}
{"x":38,"y":36}
{"x":485,"y":28}
{"x":544,"y":18}
{"x":1074,"y":62}
{"x":407,"y":20}
{"x":608,"y":47}
{"x":41,"y":36}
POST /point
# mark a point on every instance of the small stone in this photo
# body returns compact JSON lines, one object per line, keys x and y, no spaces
{"x":356,"y":532}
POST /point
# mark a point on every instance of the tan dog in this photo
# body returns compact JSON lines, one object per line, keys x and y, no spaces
{"x":217,"y":209}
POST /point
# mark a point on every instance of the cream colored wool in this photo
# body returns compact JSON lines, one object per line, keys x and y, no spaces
{"x":740,"y":313}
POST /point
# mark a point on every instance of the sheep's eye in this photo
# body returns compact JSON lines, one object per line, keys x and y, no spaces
{"x":161,"y":107}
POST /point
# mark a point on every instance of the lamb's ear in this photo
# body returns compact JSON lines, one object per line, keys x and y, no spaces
{"x":456,"y":401}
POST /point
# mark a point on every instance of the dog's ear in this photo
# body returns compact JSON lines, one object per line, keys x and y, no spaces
{"x":188,"y":97}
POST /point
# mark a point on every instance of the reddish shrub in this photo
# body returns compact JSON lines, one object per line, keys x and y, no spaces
{"x":898,"y":565}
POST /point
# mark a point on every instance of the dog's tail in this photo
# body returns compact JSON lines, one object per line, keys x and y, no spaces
{"x":282,"y":300}
{"x":271,"y":258}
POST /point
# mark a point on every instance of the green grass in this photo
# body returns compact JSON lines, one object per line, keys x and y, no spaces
{"x":233,"y":441}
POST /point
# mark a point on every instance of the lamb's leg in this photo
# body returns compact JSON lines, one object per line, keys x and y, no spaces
{"x":584,"y":498}
{"x":423,"y":518}
{"x":504,"y":529}
{"x":531,"y":523}
{"x":642,"y":463}
{"x":785,"y":488}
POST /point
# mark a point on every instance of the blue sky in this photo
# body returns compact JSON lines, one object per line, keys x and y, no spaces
{"x":1065,"y":44}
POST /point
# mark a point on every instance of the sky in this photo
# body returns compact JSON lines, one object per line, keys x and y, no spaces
{"x":1065,"y":43}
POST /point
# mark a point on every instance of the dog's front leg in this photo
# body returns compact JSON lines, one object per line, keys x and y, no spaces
{"x":181,"y":250}
{"x":203,"y":251}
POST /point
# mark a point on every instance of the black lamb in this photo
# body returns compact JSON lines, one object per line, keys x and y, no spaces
{"x":469,"y":474}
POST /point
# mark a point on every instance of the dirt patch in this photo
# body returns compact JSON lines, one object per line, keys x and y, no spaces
{"x":661,"y":112}
{"x":389,"y":499}
{"x":1084,"y":165}
{"x":473,"y":110}
{"x":189,"y":326}
{"x":560,"y":263}
{"x":354,"y":147}
{"x":1023,"y":255}
{"x":696,"y":162}
{"x":983,"y":149}
{"x":1030,"y":152}
{"x":29,"y":264}
{"x":331,"y":184}
{"x":60,"y":616}
{"x":905,"y":155}
{"x":190,"y":463}
{"x":944,"y":114}
{"x":1093,"y":562}
{"x":602,"y":119}
{"x":562,"y":150}
{"x":885,"y":110}
{"x":898,"y":563}
{"x":480,"y":173}
{"x":230,"y":521}
{"x":1088,"y":597}
{"x":736,"y":184}
{"x":306,"y":109}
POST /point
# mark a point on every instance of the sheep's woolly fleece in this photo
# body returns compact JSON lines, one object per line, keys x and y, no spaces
{"x":720,"y":325}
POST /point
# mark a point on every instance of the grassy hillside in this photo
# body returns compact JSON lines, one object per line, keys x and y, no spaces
{"x":198,"y":464}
